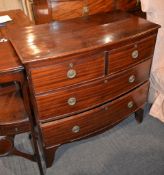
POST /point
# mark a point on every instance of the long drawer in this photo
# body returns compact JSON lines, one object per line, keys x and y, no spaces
{"x":89,"y":66}
{"x":79,"y":98}
{"x":78,"y":126}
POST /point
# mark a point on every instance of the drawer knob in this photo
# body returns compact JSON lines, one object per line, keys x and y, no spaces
{"x":76,"y":129}
{"x":130,"y":104}
{"x":132,"y":79}
{"x":72,"y":101}
{"x":135,"y":54}
{"x":71,"y":73}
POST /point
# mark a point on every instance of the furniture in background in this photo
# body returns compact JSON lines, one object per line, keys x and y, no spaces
{"x":15,"y":112}
{"x":13,"y":119}
{"x":87,"y":77}
{"x":45,"y":11}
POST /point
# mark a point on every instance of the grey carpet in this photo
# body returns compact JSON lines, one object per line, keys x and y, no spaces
{"x":127,"y":149}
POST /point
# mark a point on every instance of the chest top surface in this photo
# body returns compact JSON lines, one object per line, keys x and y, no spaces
{"x":58,"y":39}
{"x":9,"y":61}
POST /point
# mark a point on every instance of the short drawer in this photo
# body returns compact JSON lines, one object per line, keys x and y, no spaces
{"x":79,"y":126}
{"x":79,"y":98}
{"x":124,"y":57}
{"x":12,"y":129}
{"x":73,"y":71}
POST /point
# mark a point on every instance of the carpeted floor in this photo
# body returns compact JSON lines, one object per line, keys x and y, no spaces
{"x":127,"y":149}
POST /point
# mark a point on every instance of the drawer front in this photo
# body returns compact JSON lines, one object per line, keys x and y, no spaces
{"x":78,"y":126}
{"x":75,"y":70}
{"x":15,"y":129}
{"x":80,"y":98}
{"x":128,"y":55}
{"x":89,"y":66}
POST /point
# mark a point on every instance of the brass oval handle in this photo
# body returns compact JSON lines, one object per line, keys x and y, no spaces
{"x":76,"y":129}
{"x":135,"y":54}
{"x":132,"y":79}
{"x":71,"y":73}
{"x":130,"y":104}
{"x":72,"y":101}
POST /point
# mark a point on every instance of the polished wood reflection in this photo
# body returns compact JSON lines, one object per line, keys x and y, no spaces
{"x":56,"y":40}
{"x":111,"y":54}
{"x":15,"y":112}
{"x":9,"y":60}
{"x":51,"y":10}
{"x":54,"y":105}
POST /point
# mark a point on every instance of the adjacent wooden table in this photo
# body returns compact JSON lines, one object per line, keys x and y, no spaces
{"x":15,"y":113}
{"x":10,"y":65}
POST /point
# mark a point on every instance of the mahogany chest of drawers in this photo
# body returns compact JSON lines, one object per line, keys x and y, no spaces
{"x":86,"y":74}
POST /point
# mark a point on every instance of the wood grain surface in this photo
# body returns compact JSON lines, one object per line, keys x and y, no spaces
{"x":46,"y":11}
{"x":111,"y":80}
{"x":54,"y":105}
{"x":87,"y":67}
{"x":60,"y":131}
{"x":9,"y":60}
{"x":52,"y":42}
{"x":13,"y":116}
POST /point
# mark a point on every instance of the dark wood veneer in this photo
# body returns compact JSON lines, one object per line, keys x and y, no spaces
{"x":13,"y":116}
{"x":9,"y":60}
{"x":120,"y":59}
{"x":55,"y":104}
{"x":60,"y":131}
{"x":47,"y":78}
{"x":111,"y":54}
{"x":46,"y":11}
{"x":52,"y":43}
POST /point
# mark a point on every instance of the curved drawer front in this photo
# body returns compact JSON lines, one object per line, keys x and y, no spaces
{"x":74,"y":70}
{"x":128,"y":55}
{"x":80,"y":98}
{"x":89,"y":66}
{"x":78,"y":126}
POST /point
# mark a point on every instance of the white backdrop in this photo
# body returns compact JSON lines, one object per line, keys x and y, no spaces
{"x":155,"y":13}
{"x":10,"y":4}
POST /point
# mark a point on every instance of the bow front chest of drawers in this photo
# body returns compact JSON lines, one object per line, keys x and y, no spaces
{"x":86,"y":74}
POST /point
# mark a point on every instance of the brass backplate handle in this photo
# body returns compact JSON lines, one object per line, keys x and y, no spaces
{"x":132,"y":79}
{"x":72,"y":101}
{"x":135,"y":54}
{"x":76,"y":129}
{"x":130,"y":104}
{"x":71,"y":74}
